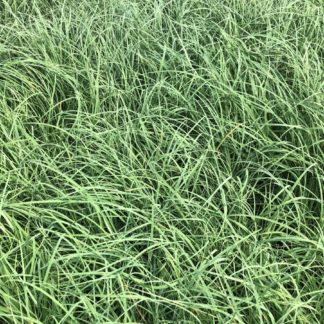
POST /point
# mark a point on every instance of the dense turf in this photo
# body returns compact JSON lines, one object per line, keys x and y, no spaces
{"x":161,"y":161}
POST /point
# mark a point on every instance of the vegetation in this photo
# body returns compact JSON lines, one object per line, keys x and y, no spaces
{"x":161,"y":161}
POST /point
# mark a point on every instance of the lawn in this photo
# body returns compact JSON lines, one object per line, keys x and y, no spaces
{"x":161,"y":161}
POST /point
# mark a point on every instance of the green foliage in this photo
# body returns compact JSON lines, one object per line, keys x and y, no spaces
{"x":161,"y":161}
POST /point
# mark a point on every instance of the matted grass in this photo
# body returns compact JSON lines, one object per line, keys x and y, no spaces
{"x":161,"y":161}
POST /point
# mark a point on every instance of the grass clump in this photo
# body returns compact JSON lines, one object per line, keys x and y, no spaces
{"x":161,"y":161}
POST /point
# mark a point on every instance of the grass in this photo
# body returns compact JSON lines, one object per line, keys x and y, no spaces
{"x":161,"y":161}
